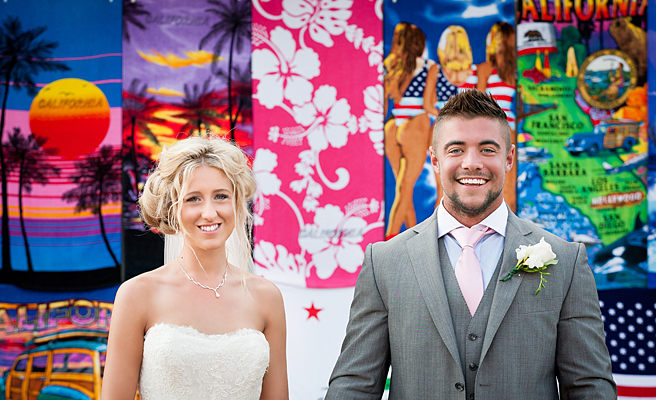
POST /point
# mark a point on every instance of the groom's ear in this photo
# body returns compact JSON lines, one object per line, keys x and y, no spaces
{"x":434,"y":161}
{"x":510,"y":158}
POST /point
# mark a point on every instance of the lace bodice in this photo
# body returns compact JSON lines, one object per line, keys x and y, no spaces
{"x":181,"y":363}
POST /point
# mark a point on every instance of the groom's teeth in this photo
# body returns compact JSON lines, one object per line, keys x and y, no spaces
{"x":209,"y":228}
{"x":472,"y":181}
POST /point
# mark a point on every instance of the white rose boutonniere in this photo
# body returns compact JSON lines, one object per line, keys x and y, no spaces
{"x":534,"y":258}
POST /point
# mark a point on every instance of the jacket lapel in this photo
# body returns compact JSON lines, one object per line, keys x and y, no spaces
{"x":505,"y":291}
{"x":423,"y":252}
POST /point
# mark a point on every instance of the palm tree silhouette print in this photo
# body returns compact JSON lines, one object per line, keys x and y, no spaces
{"x":99,"y":182}
{"x":234,"y":26}
{"x":22,"y":55}
{"x":27,"y":155}
{"x":138,"y":112}
{"x":199,"y":108}
{"x":131,"y":11}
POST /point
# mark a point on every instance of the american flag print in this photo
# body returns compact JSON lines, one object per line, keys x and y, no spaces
{"x":630,"y":325}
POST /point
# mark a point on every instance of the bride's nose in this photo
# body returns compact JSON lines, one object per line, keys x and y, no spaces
{"x":208,"y":212}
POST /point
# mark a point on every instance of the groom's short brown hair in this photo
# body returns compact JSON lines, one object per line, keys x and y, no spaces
{"x":470,"y":104}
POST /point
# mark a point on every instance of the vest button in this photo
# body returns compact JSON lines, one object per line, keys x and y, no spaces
{"x":473,"y":367}
{"x":472,"y":337}
{"x":471,"y":396}
{"x":460,"y":387}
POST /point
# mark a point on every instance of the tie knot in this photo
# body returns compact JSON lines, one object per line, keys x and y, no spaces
{"x":469,"y":237}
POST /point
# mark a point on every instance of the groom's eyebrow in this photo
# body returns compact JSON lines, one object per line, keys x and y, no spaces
{"x":454,"y":143}
{"x":482,"y":143}
{"x":491,"y":142}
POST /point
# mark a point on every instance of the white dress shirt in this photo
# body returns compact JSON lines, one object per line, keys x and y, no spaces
{"x":491,"y":244}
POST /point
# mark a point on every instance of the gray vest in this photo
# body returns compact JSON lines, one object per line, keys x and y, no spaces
{"x":469,"y":330}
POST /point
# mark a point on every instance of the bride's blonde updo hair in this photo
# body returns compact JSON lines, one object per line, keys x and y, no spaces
{"x":160,"y":202}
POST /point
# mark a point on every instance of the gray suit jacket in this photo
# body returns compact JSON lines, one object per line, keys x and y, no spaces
{"x":400,"y":316}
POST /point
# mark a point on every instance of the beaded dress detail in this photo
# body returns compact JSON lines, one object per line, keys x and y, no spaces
{"x":181,"y":363}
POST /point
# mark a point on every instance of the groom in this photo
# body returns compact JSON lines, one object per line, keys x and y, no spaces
{"x":431,"y":303}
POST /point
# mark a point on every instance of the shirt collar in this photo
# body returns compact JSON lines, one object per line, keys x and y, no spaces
{"x":446,"y":222}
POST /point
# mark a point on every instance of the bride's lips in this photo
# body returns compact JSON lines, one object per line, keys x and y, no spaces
{"x":211,"y":228}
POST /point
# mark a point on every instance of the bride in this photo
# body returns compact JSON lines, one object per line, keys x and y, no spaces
{"x":199,"y":326}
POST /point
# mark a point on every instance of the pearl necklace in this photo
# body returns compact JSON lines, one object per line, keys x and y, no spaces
{"x":214,"y":289}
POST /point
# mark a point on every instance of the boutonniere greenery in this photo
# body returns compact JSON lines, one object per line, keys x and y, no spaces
{"x":535,"y":258}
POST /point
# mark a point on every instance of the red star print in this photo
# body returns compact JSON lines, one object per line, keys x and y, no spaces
{"x":313,"y":312}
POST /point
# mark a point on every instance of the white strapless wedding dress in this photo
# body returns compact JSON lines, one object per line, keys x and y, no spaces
{"x":180,"y":363}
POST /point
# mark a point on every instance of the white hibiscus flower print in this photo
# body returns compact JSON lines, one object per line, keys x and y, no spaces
{"x":329,"y":120}
{"x":267,"y":182}
{"x":283,"y":72}
{"x":263,"y":165}
{"x":276,"y":264}
{"x":372,"y":120}
{"x":333,"y":241}
{"x":323,"y":18}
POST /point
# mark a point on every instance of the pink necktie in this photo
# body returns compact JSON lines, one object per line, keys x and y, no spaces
{"x":468,"y":268}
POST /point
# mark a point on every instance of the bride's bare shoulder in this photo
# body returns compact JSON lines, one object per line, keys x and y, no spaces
{"x":143,"y":285}
{"x":265,"y":291}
